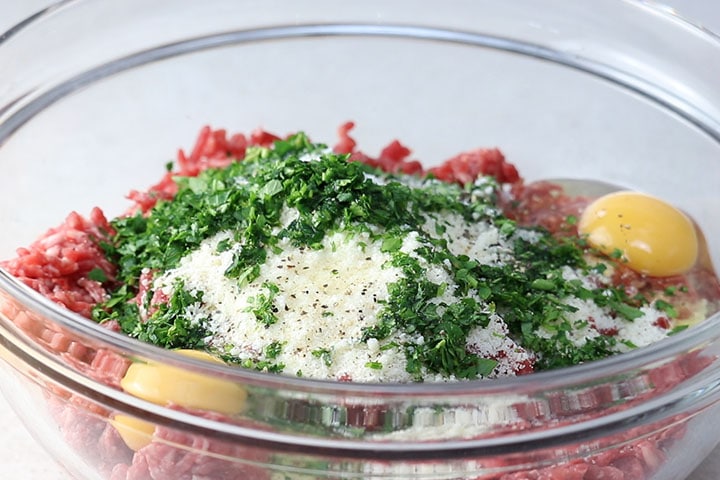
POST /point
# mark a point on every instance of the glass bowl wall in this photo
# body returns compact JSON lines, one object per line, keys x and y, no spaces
{"x":99,"y":95}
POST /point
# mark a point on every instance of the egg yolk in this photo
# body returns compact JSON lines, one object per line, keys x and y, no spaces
{"x":649,"y":235}
{"x":165,"y":384}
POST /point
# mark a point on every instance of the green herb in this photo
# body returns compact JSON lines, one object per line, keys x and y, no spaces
{"x":391,"y":244}
{"x":247,"y":199}
{"x":627,"y":311}
{"x":617,"y":254}
{"x":273,"y":349}
{"x":678,"y":329}
{"x":224,"y":245}
{"x":543,"y":284}
{"x":600,"y":267}
{"x":671,"y":290}
{"x":263,"y":306}
{"x":374,"y":365}
{"x":119,"y":307}
{"x":98,"y":275}
{"x":261,"y":365}
{"x":169,"y":326}
{"x":324,"y":354}
{"x":666,"y":307}
{"x":273,"y":187}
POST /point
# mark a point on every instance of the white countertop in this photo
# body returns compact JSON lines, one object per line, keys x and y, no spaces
{"x":23,"y":459}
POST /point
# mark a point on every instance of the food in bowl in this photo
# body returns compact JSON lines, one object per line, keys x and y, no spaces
{"x":285,"y":256}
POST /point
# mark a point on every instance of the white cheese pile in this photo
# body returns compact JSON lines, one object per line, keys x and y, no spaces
{"x":328,"y":295}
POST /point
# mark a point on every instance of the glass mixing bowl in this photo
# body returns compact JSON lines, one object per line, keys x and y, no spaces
{"x":97,"y":95}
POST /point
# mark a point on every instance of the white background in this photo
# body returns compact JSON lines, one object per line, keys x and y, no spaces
{"x":23,"y":459}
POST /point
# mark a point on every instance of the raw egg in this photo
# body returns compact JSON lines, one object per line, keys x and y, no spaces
{"x":165,"y":384}
{"x":648,"y":235}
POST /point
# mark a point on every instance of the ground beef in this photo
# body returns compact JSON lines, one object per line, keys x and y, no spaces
{"x":67,"y":263}
{"x":59,"y":263}
{"x":544,"y":204}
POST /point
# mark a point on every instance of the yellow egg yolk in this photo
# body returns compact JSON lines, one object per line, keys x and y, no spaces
{"x":649,"y":235}
{"x":166,"y":384}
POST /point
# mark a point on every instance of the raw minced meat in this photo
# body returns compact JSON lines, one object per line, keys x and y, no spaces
{"x":74,"y":266}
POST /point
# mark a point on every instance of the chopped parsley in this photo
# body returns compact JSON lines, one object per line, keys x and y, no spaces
{"x":429,"y":321}
{"x":169,"y":326}
{"x":98,"y":275}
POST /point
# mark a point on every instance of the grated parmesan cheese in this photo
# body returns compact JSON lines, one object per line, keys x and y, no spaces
{"x":327,"y":297}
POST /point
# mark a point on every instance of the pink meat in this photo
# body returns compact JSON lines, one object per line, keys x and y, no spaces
{"x":58,"y":264}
